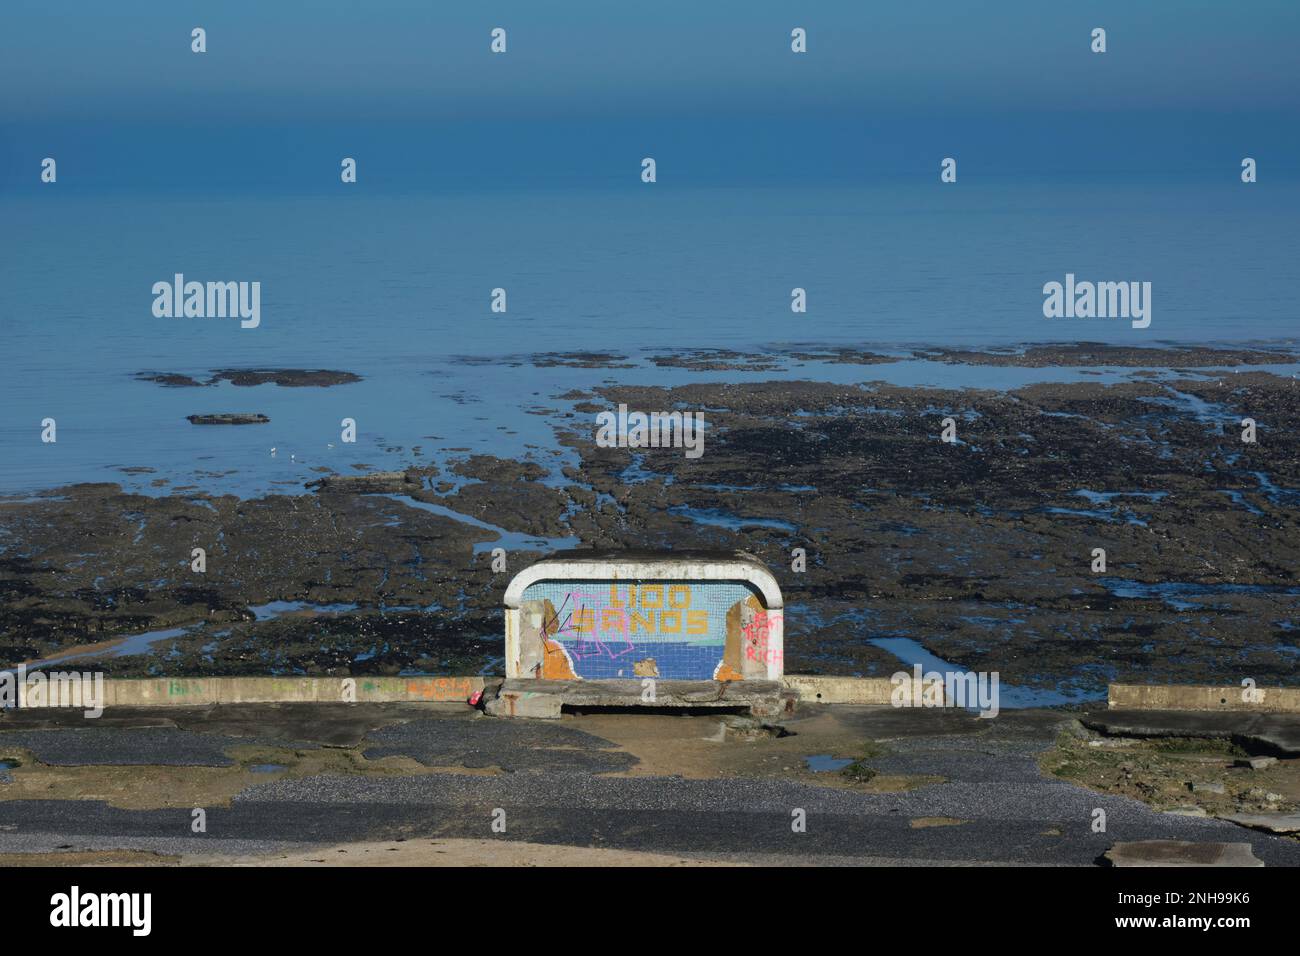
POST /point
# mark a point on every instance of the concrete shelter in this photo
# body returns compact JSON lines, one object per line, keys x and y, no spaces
{"x":675,"y":615}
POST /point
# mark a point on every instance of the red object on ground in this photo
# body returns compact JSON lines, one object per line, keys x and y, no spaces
{"x":475,"y":698}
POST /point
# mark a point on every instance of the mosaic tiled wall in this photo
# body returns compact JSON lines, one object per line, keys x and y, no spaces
{"x":611,"y":629}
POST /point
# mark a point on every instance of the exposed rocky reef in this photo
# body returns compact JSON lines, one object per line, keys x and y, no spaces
{"x":981,"y":551}
{"x":249,"y":377}
{"x":228,"y":418}
{"x":1088,"y":354}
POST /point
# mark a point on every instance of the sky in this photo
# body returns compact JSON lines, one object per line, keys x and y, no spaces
{"x":712,"y":90}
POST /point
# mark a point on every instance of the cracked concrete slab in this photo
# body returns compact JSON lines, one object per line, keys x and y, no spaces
{"x":1272,"y":822}
{"x":1278,"y":733}
{"x":1181,"y":853}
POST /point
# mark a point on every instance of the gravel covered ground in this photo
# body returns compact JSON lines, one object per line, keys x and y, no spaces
{"x":939,"y":787}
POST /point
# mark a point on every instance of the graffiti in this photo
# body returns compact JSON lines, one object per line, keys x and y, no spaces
{"x":441,"y":688}
{"x":757,"y":638}
{"x":580,"y":627}
{"x":628,"y":628}
{"x":648,"y":612}
{"x":652,"y":612}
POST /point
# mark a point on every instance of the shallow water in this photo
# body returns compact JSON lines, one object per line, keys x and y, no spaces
{"x":144,"y":643}
{"x":719,"y":518}
{"x":1010,"y":697}
{"x":1174,"y":593}
{"x":510,"y":540}
{"x":825,"y":763}
{"x":886,"y":268}
{"x":134,"y":644}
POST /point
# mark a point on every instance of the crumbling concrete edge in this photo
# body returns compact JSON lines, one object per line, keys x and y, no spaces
{"x":1274,"y":700}
{"x":201,"y":691}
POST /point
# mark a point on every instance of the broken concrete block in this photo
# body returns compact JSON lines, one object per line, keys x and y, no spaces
{"x":1268,"y":796}
{"x":761,"y":698}
{"x":1275,"y":732}
{"x":1181,"y":853}
{"x":1272,"y":822}
{"x":1255,"y":763}
{"x":524,"y":704}
{"x":751,"y":727}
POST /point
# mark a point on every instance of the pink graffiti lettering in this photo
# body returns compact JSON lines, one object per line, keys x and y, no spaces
{"x":757,"y":635}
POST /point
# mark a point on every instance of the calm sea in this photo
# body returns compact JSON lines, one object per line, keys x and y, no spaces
{"x":397,"y":289}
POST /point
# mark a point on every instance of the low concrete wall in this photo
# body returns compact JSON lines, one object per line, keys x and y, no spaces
{"x":1165,"y":697}
{"x":230,"y":690}
{"x":844,"y":690}
{"x":200,"y":691}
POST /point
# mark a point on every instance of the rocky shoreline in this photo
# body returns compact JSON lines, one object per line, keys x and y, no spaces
{"x":248,"y":378}
{"x":980,"y":551}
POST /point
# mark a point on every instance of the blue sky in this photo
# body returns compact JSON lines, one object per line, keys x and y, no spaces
{"x":711,"y":89}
